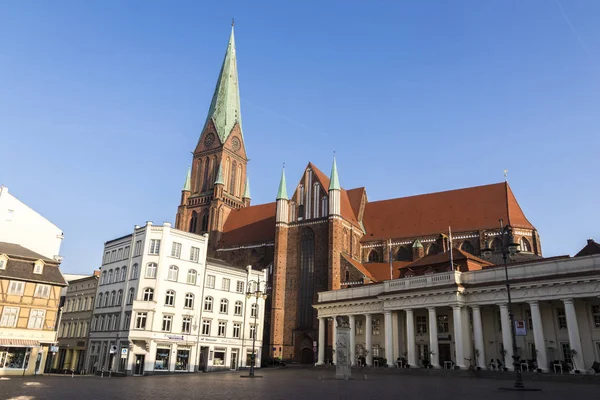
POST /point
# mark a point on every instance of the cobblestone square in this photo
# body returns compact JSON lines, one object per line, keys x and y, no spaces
{"x":290,"y":383}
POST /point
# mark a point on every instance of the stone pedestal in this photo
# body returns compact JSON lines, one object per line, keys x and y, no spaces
{"x":342,"y":353}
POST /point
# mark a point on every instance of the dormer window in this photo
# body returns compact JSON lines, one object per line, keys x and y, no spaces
{"x":38,"y":267}
{"x":3,"y":261}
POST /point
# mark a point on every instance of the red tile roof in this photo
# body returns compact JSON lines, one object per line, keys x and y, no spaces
{"x":250,"y":225}
{"x":381,"y":271}
{"x":468,"y":209}
{"x":355,"y":196}
{"x":441,"y":258}
{"x":360,"y":267}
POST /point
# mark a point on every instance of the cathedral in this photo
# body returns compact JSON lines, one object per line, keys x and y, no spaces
{"x":325,"y":237}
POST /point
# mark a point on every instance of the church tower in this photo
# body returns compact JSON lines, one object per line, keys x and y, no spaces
{"x":217,"y":183}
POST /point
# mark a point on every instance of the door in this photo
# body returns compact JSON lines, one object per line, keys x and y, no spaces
{"x":234,"y":356}
{"x":139,"y":364}
{"x":307,"y":356}
{"x":203,"y":358}
{"x":444,"y":352}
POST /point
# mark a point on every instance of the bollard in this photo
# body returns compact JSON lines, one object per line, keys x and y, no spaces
{"x":72,"y":373}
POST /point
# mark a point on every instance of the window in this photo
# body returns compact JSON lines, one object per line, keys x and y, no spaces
{"x":16,"y":287}
{"x":110,"y":276}
{"x":252,"y":331}
{"x":225,"y":283}
{"x":373,"y":256}
{"x":442,"y":324}
{"x":117,"y":274}
{"x":98,"y":327}
{"x":529,"y":320}
{"x":237,"y":327}
{"x":292,"y":211}
{"x":210,"y":281}
{"x":138,"y":248}
{"x":224,"y":306}
{"x":359,"y":327}
{"x":105,"y":304}
{"x":170,"y":298}
{"x":189,"y":300}
{"x":9,"y":317}
{"x":421,"y":324}
{"x":307,"y":269}
{"x":239,"y":287}
{"x":38,"y":267}
{"x":316,"y":200}
{"x":324,"y":204}
{"x":92,"y":326}
{"x":119,"y":297}
{"x":208,"y":303}
{"x":151,"y":271}
{"x":140,"y":320}
{"x":222,"y":328}
{"x":106,"y":257}
{"x":90,"y":303}
{"x":254,"y":311}
{"x":176,"y":250}
{"x":113,"y":255}
{"x":81,"y":304}
{"x":166,"y":323}
{"x":377,"y":350}
{"x":99,"y":300}
{"x":120,"y":254}
{"x":565,"y":349}
{"x":173,"y":273}
{"x":186,"y":324}
{"x":596,"y":315}
{"x":206,"y":327}
{"x":562,"y":319}
{"x":42,"y":291}
{"x":154,"y":246}
{"x":113,"y":296}
{"x":106,"y":323}
{"x":126,"y":252}
{"x":496,"y":245}
{"x":193,"y":222}
{"x":191,"y":276}
{"x":103,"y":278}
{"x":123,"y":273}
{"x":376,"y":326}
{"x":134,"y":271}
{"x":194,"y":254}
{"x":148,"y":294}
{"x":2,"y":263}
{"x":126,"y":321}
{"x":525,"y":246}
{"x":115,"y":322}
{"x":131,"y":296}
{"x":238,"y":308}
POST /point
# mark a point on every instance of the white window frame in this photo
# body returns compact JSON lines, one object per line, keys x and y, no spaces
{"x":189,"y":298}
{"x":225,"y":284}
{"x":170,"y":298}
{"x":16,"y":288}
{"x":10,"y":316}
{"x":173,"y":274}
{"x":176,"y":250}
{"x":38,"y":267}
{"x":186,"y":324}
{"x":151,"y":269}
{"x":222,"y":329}
{"x":238,"y":307}
{"x":237,"y":328}
{"x":194,"y":254}
{"x":210,"y":281}
{"x":224,"y":304}
{"x":206,"y":327}
{"x":167,"y":323}
{"x":154,"y":247}
{"x":139,"y":318}
{"x":239,"y":288}
{"x":192,"y":276}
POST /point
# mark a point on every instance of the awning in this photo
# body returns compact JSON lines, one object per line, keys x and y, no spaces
{"x":19,"y":343}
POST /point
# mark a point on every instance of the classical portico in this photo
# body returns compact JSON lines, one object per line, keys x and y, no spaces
{"x":461,"y":319}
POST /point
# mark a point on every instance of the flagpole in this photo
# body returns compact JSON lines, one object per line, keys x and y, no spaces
{"x":391,"y":258}
{"x":451,"y":257}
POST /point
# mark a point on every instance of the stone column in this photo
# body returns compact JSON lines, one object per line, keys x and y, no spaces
{"x":506,"y":337}
{"x":433,"y":338}
{"x":538,"y":336}
{"x":410,"y":338}
{"x":321,"y":357}
{"x":352,"y":322}
{"x":334,"y":340}
{"x":574,"y":338}
{"x":458,"y":336}
{"x":478,"y":337}
{"x":389,"y":350}
{"x":369,"y":337}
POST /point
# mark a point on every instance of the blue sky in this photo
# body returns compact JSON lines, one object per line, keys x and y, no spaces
{"x":101,"y":103}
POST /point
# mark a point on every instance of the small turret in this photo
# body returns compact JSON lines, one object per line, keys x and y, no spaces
{"x":219,"y":184}
{"x":282,"y":201}
{"x":334,"y":190}
{"x":246,"y":196}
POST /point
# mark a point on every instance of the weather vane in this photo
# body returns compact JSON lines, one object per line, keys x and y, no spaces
{"x":232,"y":21}
{"x":505,"y":175}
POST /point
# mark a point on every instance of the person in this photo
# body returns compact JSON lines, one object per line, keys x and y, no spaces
{"x":399,"y":363}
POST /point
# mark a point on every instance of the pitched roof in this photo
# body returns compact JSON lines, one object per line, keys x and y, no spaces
{"x":12,"y":249}
{"x":345,"y":206}
{"x":20,"y":266}
{"x":469,"y":209}
{"x":334,"y":183}
{"x":355,"y":197}
{"x":360,"y":267}
{"x":441,"y":258}
{"x":381,"y":271}
{"x":282,"y":192}
{"x":250,"y":225}
{"x":590,"y":248}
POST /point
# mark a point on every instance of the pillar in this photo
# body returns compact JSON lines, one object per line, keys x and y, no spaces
{"x":389,"y":350}
{"x":478,"y":338}
{"x":410,"y":338}
{"x":334,"y":340}
{"x":352,"y":322}
{"x":506,"y":337}
{"x":458,"y":336}
{"x":574,"y":339}
{"x":538,"y":336}
{"x":369,"y":341}
{"x":321,"y":356}
{"x":433,"y":338}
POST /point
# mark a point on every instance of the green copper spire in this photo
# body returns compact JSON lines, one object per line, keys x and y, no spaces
{"x":247,"y":190}
{"x":220,"y":180}
{"x":334,"y":180}
{"x":188,"y":178}
{"x":282,"y":193}
{"x":417,"y":244}
{"x":224,"y":108}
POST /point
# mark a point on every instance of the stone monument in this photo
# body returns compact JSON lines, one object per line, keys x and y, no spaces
{"x":342,"y":341}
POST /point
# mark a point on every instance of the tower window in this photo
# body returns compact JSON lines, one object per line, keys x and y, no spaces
{"x":206,"y":170}
{"x":204,"y":222}
{"x":307,"y":272}
{"x":193,"y":221}
{"x":373,"y":256}
{"x":232,"y":178}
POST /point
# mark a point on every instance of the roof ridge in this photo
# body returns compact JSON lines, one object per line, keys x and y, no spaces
{"x":435,"y":193}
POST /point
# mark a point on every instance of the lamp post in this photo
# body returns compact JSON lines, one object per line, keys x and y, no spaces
{"x":509,"y":247}
{"x":254,"y":291}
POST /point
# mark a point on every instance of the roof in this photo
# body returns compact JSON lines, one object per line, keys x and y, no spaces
{"x":360,"y":267}
{"x":12,"y":249}
{"x":282,"y":192}
{"x":355,"y":197}
{"x":224,"y":108}
{"x":217,"y":262}
{"x":590,"y":248}
{"x":345,"y":206}
{"x":334,"y":184}
{"x":20,"y":266}
{"x":469,"y":209}
{"x":250,"y":225}
{"x":442,"y":258}
{"x":381,"y":271}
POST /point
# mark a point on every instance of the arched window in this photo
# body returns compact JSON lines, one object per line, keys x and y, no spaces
{"x":103,"y":278}
{"x":232,"y":177}
{"x":208,"y":303}
{"x":292,"y":211}
{"x":403,"y":254}
{"x":347,"y":275}
{"x":170,"y":298}
{"x":99,"y":299}
{"x":324,"y":206}
{"x":213,"y":171}
{"x":226,"y":172}
{"x":468,"y":247}
{"x":151,"y":270}
{"x":237,"y":310}
{"x":224,"y":306}
{"x":254,"y":310}
{"x":110,"y":276}
{"x":373,"y":256}
{"x":307,"y":272}
{"x":119,"y":297}
{"x":198,"y":176}
{"x":113,"y":297}
{"x":238,"y":190}
{"x":316,"y":195}
{"x":123,"y":273}
{"x":525,"y":245}
{"x":432,"y":249}
{"x":117,"y":274}
{"x":206,"y":170}
{"x":496,"y":245}
{"x":131,"y":296}
{"x":68,"y":305}
{"x":106,"y":299}
{"x":193,"y":221}
{"x":191,"y":276}
{"x":205,"y":222}
{"x":79,"y":303}
{"x":173,"y":273}
{"x":148,"y":294}
{"x":189,"y":300}
{"x":134,"y":271}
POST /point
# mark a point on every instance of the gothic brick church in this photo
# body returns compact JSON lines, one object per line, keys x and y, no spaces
{"x":323,"y":236}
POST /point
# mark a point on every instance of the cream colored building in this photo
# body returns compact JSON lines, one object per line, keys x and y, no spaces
{"x":30,"y":286}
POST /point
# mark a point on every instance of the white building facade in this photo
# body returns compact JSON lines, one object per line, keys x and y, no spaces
{"x":457,"y":320}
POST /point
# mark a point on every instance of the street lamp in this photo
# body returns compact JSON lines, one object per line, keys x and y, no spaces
{"x":509,"y":247}
{"x":257,"y":294}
